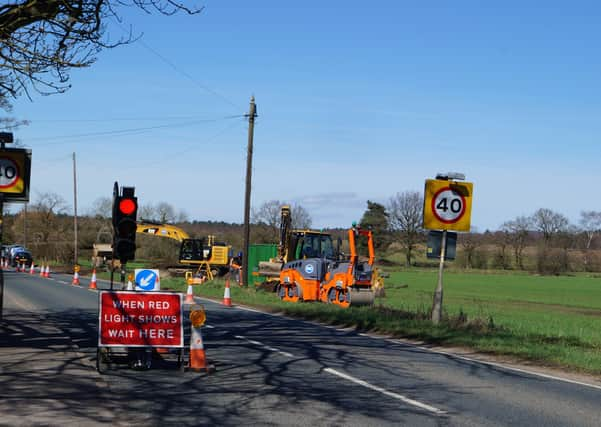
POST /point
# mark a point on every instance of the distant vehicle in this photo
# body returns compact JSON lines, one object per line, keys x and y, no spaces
{"x":21,"y":257}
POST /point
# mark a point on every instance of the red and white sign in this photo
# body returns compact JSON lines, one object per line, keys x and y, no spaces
{"x":448,"y":205}
{"x":9,"y":173}
{"x":140,"y":319}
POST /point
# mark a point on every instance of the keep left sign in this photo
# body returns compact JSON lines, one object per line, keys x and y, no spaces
{"x":147,"y":279}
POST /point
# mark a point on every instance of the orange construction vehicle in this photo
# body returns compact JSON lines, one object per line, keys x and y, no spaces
{"x":311,"y":269}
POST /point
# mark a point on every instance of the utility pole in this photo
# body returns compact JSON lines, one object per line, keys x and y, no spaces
{"x":75,"y":256}
{"x":252,"y":113}
{"x":25,"y":225}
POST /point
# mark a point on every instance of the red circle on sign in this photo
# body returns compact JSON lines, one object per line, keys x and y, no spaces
{"x":17,"y":173}
{"x":461,"y":212}
{"x":127,"y":206}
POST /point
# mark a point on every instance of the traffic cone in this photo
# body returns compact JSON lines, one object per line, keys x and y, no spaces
{"x":42,"y":270}
{"x":198,"y":358}
{"x":93,"y":281}
{"x":130,"y":285}
{"x":75,"y":281}
{"x":31,"y":269}
{"x":47,"y":272}
{"x":189,"y":296}
{"x":23,"y":268}
{"x":227,"y":299}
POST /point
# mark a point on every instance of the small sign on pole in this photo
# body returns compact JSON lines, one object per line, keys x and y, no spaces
{"x":147,"y":279}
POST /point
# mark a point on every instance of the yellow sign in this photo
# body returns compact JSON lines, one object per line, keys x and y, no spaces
{"x":77,"y":268}
{"x":15,"y":170}
{"x":447,"y":205}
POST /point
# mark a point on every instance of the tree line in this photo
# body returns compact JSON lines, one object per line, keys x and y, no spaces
{"x":545,"y":241}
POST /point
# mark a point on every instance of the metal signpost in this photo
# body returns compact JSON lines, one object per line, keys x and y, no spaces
{"x":447,"y":206}
{"x":15,"y":173}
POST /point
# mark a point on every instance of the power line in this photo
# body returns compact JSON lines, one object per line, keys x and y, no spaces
{"x":180,"y":71}
{"x":122,"y":131}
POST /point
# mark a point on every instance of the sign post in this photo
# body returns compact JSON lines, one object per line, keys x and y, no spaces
{"x":447,"y":206}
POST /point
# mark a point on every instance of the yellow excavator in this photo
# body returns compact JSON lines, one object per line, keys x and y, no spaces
{"x":309,"y":268}
{"x":207,"y":256}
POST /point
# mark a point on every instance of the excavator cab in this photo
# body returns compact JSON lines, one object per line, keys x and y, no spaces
{"x":194,"y":250}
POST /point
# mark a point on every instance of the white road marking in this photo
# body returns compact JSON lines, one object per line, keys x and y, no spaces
{"x":499,"y":365}
{"x":263,"y":346}
{"x":385,"y":392}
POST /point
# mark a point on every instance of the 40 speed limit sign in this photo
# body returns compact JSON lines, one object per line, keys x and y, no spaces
{"x":447,"y":205}
{"x":15,"y":172}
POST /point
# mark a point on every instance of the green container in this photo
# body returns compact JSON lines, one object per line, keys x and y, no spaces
{"x":256,"y":253}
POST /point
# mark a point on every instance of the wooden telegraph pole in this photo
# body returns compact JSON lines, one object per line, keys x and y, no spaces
{"x":252,"y":113}
{"x":75,"y":255}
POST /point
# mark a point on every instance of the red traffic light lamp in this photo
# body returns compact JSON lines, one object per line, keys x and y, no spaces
{"x":125,"y":212}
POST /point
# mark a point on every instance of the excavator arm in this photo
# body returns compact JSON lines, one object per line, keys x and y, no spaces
{"x":162,"y":230}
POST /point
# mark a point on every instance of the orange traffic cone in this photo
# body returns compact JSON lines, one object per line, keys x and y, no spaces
{"x":75,"y":279}
{"x":93,"y":281}
{"x":42,"y":269}
{"x":227,"y":299}
{"x":31,"y":269}
{"x":189,"y":296}
{"x":198,"y":358}
{"x":47,"y":272}
{"x":130,"y":285}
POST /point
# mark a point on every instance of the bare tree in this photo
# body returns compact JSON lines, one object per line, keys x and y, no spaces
{"x":590,"y":223}
{"x":102,"y":207}
{"x":405,"y":218}
{"x":549,"y":223}
{"x":300,"y":217}
{"x":269,"y":214}
{"x":42,"y":40}
{"x":518,"y":230}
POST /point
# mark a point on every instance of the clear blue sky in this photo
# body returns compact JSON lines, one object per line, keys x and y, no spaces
{"x":356,"y":101}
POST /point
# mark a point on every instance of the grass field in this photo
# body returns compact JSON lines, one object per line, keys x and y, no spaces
{"x":554,"y":321}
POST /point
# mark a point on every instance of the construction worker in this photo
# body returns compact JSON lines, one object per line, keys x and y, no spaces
{"x":235,"y":267}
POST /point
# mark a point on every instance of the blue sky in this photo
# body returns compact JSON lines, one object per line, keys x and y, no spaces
{"x":355,"y":102}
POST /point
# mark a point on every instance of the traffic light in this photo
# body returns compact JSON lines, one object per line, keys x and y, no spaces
{"x":125,"y":212}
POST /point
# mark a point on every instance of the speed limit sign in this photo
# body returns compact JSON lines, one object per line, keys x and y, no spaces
{"x":9,"y":172}
{"x":447,"y":205}
{"x":15,"y":172}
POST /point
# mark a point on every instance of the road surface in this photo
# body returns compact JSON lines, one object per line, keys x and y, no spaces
{"x":271,"y":370}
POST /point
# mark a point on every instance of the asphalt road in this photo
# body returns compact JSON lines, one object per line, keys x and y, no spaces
{"x":271,"y":370}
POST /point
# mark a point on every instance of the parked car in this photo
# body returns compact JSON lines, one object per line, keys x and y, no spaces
{"x":21,"y":257}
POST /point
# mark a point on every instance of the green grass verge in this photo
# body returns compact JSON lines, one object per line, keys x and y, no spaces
{"x":554,"y":321}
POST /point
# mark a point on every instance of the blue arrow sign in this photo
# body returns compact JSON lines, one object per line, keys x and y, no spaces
{"x":147,"y":280}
